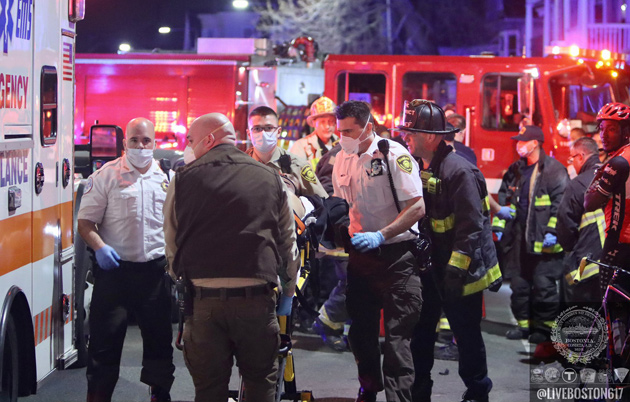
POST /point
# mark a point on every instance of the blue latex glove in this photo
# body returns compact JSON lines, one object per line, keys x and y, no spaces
{"x":107,"y":258}
{"x":285,"y":305}
{"x":550,"y":240}
{"x":367,"y":241}
{"x":499,"y":235}
{"x":505,"y":213}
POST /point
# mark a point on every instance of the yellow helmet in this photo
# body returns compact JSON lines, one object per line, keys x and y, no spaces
{"x":321,"y":107}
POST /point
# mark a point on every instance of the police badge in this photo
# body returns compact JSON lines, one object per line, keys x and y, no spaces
{"x":376,"y":168}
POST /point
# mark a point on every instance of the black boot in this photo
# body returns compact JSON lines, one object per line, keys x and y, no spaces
{"x":421,"y":390}
{"x":366,"y":396}
{"x":160,"y":395}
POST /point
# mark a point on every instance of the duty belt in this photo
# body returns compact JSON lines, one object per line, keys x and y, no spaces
{"x":228,"y":293}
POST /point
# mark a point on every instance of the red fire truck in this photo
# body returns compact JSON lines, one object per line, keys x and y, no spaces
{"x":495,"y":94}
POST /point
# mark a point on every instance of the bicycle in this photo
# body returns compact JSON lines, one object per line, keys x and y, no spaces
{"x":613,"y":291}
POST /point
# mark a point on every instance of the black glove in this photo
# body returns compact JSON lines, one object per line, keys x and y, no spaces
{"x":453,"y":282}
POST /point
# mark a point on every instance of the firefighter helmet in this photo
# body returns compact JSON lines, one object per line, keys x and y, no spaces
{"x":321,"y":107}
{"x":426,"y":117}
{"x":614,"y":111}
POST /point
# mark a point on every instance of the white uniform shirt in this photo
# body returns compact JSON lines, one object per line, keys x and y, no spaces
{"x":363,"y":182}
{"x":127,"y":207}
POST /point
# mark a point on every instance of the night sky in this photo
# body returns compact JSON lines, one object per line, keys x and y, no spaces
{"x":108,"y":23}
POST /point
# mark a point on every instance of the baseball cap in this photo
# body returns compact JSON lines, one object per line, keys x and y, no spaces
{"x":529,"y":133}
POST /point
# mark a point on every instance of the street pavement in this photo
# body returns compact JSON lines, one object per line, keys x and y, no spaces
{"x":331,"y":376}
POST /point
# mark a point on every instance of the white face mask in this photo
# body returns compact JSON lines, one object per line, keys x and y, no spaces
{"x":351,"y":145}
{"x":525,"y":149}
{"x":265,"y":141}
{"x":139,"y":158}
{"x":189,"y":155}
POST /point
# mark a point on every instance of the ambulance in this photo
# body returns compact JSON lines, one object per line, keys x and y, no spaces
{"x":496,"y":95}
{"x":43,"y":293}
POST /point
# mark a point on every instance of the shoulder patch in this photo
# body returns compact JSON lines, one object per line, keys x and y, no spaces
{"x":165,"y":185}
{"x":88,"y":185}
{"x":404,"y":163}
{"x":307,"y":174}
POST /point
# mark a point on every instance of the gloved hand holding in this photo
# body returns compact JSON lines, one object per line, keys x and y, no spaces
{"x":367,"y":241}
{"x":107,"y":258}
{"x":285,"y":305}
{"x":505,"y":213}
{"x":550,"y":240}
{"x":499,"y":235}
{"x":453,"y":282}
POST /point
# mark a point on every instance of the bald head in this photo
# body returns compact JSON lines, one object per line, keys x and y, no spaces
{"x":208,"y":131}
{"x":140,"y":134}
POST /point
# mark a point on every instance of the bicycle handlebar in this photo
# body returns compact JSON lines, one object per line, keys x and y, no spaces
{"x":587,"y":260}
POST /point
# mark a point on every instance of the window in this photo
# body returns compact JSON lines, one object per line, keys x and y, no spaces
{"x":368,"y":87}
{"x":578,"y":94}
{"x":440,"y":88}
{"x":500,"y":102}
{"x":48,"y":99}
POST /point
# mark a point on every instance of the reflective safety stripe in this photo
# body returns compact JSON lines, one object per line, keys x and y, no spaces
{"x":443,"y":325}
{"x":542,"y":201}
{"x":482,"y":283}
{"x":589,"y":271}
{"x":513,"y":209}
{"x":323,"y":316}
{"x":442,"y":225}
{"x":538,"y":248}
{"x":498,"y":223}
{"x":459,"y":260}
{"x":549,"y":324}
{"x":552,"y":222}
{"x":595,"y":217}
{"x":522,"y":323}
{"x":485,"y":204}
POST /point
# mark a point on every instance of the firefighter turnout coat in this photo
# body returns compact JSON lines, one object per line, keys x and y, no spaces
{"x":549,"y":181}
{"x":580,"y":233}
{"x":458,"y":215}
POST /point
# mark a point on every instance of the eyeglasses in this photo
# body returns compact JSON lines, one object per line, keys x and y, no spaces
{"x":260,"y":129}
{"x":572,"y":157}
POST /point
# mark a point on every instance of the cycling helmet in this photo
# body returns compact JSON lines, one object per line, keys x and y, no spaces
{"x":614,"y":111}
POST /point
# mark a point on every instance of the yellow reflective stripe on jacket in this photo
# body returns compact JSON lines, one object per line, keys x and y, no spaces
{"x":589,"y":271}
{"x":498,"y":223}
{"x":482,"y":283}
{"x":542,"y":201}
{"x":514,"y":209}
{"x":459,"y":260}
{"x":552,"y":222}
{"x":538,"y":248}
{"x":443,"y":225}
{"x":597,"y":217}
{"x":485,"y":204}
{"x":522,"y":323}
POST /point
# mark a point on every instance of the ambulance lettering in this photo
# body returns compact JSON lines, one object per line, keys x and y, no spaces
{"x":23,"y":28}
{"x":13,"y":167}
{"x":13,"y":90}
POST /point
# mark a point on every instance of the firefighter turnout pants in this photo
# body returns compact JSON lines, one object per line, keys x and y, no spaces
{"x":535,"y":299}
{"x":464,"y":316}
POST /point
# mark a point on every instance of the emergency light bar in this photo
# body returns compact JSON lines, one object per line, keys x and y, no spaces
{"x":590,"y":54}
